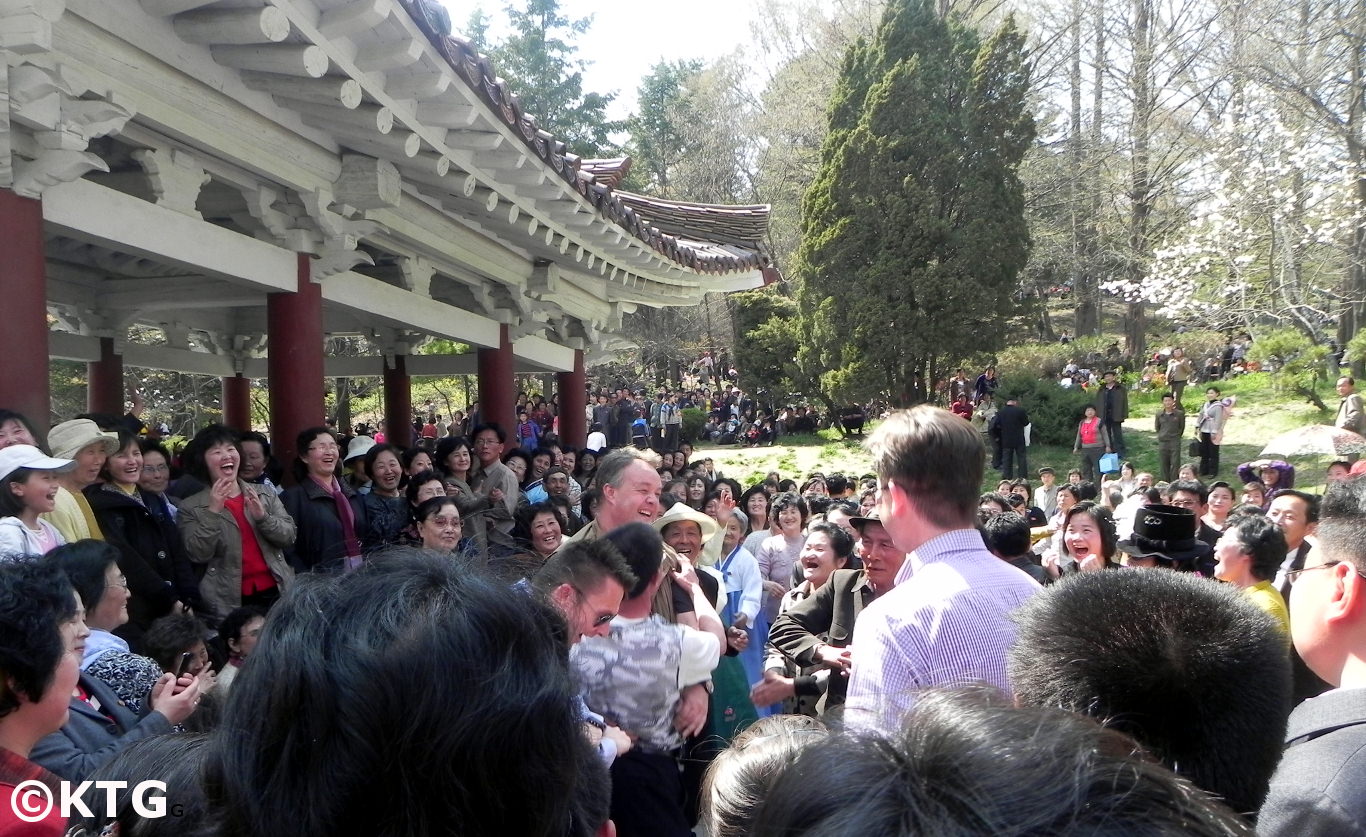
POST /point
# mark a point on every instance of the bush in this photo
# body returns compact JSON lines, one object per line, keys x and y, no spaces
{"x":693,"y":422}
{"x":1053,"y":410}
{"x":1039,"y":360}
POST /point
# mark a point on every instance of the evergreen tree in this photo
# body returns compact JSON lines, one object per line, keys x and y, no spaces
{"x":913,"y":232}
{"x":540,"y":60}
{"x":658,"y":142}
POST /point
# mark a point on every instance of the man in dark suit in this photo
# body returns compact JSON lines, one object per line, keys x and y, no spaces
{"x":1112,"y":405}
{"x":817,"y":630}
{"x":1010,"y":423}
{"x":1320,"y":786}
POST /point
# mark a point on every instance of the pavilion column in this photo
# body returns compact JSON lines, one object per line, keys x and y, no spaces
{"x":104,"y":381}
{"x":24,"y":385}
{"x":237,"y":403}
{"x":294,"y":322}
{"x":398,"y":403}
{"x":573,"y":399}
{"x":497,"y":391}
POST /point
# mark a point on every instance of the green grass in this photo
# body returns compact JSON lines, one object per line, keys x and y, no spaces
{"x":1260,"y":413}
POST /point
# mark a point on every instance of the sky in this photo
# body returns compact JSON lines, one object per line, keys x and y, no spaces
{"x":630,"y":36}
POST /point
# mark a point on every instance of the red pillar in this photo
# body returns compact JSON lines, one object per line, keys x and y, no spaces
{"x":295,"y":325}
{"x":237,"y":403}
{"x":497,"y":395}
{"x":24,"y":385}
{"x":398,"y":403}
{"x":573,"y":400}
{"x":104,"y":381}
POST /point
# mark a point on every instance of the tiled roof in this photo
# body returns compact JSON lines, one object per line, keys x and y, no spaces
{"x":666,"y":229}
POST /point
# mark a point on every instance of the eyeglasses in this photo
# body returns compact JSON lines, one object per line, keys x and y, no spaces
{"x":1333,"y":563}
{"x":156,"y":469}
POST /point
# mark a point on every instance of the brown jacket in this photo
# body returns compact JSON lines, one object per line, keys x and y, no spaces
{"x":215,"y":540}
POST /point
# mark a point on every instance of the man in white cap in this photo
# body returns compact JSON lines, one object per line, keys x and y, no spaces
{"x":83,"y":441}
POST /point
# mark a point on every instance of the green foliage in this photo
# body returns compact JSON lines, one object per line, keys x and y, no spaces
{"x":1035,"y":360}
{"x":693,"y":422}
{"x":914,"y":228}
{"x":1053,"y":410}
{"x":766,"y":341}
{"x":1295,"y":363}
{"x":658,"y":140}
{"x":540,"y":60}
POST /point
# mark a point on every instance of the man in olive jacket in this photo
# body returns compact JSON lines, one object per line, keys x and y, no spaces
{"x":1170,"y":425}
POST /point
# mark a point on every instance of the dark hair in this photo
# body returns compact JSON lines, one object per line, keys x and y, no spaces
{"x":967,"y":763}
{"x":493,"y":426}
{"x":1190,"y":486}
{"x":1311,"y":502}
{"x":737,"y":782}
{"x":585,"y":565}
{"x":85,"y":563}
{"x":153,"y":446}
{"x":643,"y":549}
{"x":1007,"y":535}
{"x":523,"y":517}
{"x":35,"y":599}
{"x":10,"y":415}
{"x":1105,"y":522}
{"x":448,"y":445}
{"x":177,"y":761}
{"x":836,"y":483}
{"x":320,"y":727}
{"x":518,"y":453}
{"x":10,"y":504}
{"x":432,"y":505}
{"x":1263,"y":541}
{"x":170,"y":636}
{"x":840,"y":541}
{"x":231,"y":627}
{"x":994,"y":497}
{"x":1346,"y":498}
{"x":126,"y":440}
{"x":1070,"y":489}
{"x":415,"y":483}
{"x":849,"y":507}
{"x":258,"y":438}
{"x":301,"y":445}
{"x":1086,"y":490}
{"x":788,"y":500}
{"x":215,"y":434}
{"x":413,"y":453}
{"x":374,"y":452}
{"x":1195,"y":671}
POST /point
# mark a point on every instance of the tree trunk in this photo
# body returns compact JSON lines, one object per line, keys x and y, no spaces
{"x":1140,"y":181}
{"x":343,"y":412}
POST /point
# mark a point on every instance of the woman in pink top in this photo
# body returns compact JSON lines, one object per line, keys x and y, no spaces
{"x":1091,"y":442}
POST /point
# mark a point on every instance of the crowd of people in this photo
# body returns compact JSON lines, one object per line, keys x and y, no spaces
{"x":474,"y":636}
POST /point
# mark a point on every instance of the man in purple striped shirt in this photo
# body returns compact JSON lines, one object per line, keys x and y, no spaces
{"x":946,"y":621}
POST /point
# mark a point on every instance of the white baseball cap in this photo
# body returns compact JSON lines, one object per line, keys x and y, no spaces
{"x":15,"y":457}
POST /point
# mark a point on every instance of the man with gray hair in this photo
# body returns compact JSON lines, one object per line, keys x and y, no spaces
{"x":952,"y":625}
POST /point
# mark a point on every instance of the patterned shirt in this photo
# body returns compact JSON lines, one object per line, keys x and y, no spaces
{"x":945,"y":623}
